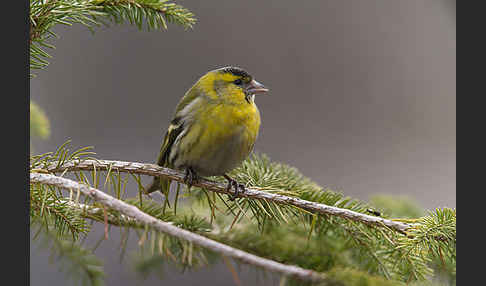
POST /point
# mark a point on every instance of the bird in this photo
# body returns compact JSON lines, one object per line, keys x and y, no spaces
{"x":213,"y":129}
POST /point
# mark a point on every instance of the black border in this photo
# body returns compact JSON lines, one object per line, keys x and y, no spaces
{"x":15,"y":118}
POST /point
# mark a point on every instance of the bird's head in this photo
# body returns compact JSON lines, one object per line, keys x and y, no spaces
{"x":230,"y":84}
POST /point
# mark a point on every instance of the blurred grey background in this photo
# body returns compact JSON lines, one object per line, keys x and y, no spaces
{"x":362,"y":98}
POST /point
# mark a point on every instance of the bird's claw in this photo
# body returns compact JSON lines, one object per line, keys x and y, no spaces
{"x":236,"y":187}
{"x":190,"y":177}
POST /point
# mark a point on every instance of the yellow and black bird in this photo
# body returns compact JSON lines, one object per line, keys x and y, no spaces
{"x":214,"y":128}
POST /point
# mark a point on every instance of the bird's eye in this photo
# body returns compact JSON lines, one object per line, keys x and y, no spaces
{"x":238,"y":82}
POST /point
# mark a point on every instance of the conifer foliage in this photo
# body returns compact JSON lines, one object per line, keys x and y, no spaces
{"x":45,"y":14}
{"x":286,"y":224}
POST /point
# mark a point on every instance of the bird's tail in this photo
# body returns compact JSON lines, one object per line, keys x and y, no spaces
{"x":159,"y":184}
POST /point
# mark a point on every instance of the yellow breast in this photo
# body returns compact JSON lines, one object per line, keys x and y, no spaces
{"x":224,"y":121}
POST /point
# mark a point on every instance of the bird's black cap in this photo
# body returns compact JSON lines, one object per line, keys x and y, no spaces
{"x":236,"y":71}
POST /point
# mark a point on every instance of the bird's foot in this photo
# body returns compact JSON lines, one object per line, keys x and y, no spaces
{"x":232,"y":183}
{"x":190,"y":178}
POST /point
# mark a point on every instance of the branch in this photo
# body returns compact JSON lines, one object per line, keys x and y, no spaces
{"x":44,"y":15}
{"x":91,"y":212}
{"x":169,"y":229}
{"x":155,"y":170}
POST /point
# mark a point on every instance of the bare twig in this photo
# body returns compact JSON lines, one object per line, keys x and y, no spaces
{"x":135,"y":213}
{"x":155,"y":170}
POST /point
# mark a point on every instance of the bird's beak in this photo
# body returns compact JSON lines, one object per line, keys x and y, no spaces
{"x":254,"y":87}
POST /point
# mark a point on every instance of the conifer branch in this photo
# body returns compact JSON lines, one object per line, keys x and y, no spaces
{"x":45,"y":14}
{"x":427,"y":247}
{"x":135,"y":213}
{"x":47,"y":208}
{"x":155,"y":170}
{"x":91,"y":212}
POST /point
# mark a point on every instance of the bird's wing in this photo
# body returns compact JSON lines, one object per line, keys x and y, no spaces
{"x":191,"y":95}
{"x":175,"y":128}
{"x":179,"y":123}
